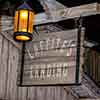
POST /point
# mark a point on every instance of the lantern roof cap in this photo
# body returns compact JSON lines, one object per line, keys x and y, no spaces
{"x":24,"y":6}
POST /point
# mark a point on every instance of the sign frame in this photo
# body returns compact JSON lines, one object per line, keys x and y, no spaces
{"x":77,"y":78}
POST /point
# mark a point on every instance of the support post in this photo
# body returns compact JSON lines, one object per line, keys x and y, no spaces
{"x":79,"y":26}
{"x":22,"y":64}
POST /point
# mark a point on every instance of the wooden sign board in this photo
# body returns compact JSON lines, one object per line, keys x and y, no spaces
{"x":51,"y":59}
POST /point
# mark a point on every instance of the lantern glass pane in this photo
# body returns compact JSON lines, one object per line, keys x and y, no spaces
{"x":23,"y":19}
{"x":31,"y":17}
{"x":16,"y":21}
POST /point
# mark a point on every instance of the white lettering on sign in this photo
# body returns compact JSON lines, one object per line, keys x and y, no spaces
{"x":51,"y":47}
{"x":46,"y":73}
{"x":54,"y":70}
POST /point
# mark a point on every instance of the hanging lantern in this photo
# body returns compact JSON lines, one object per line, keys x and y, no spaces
{"x":23,"y":23}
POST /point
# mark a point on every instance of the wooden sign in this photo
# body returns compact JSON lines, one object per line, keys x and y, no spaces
{"x":51,"y":59}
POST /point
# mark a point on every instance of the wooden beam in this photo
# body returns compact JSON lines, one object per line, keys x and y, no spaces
{"x":89,"y":99}
{"x":66,"y":13}
{"x":51,"y":6}
{"x":62,"y":14}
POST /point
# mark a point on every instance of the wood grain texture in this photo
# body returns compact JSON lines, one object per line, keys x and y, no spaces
{"x":1,"y":92}
{"x":57,"y":14}
{"x":9,"y":56}
{"x":32,"y":93}
{"x":12,"y":72}
{"x":22,"y":93}
{"x":3,"y":66}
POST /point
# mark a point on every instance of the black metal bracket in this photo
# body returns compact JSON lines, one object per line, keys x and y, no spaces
{"x":79,"y":26}
{"x":22,"y":64}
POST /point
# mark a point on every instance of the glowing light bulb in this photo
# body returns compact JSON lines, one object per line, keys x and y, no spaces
{"x":24,"y":14}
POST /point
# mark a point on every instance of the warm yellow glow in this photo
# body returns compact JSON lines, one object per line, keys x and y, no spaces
{"x":23,"y":20}
{"x":22,"y":38}
{"x":24,"y":30}
{"x":31,"y":19}
{"x":24,"y":14}
{"x":16,"y":21}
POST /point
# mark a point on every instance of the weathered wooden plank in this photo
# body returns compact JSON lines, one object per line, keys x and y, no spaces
{"x":58,"y":14}
{"x":22,"y":93}
{"x":9,"y":37}
{"x":14,"y":92}
{"x":3,"y":67}
{"x":32,"y":94}
{"x":51,"y":93}
{"x":61,"y":14}
{"x":63,"y":94}
{"x":12,"y":73}
{"x":47,"y":95}
{"x":6,"y":29}
{"x":89,"y":99}
{"x":58,"y":93}
{"x":8,"y":94}
{"x":40,"y":93}
{"x":70,"y":95}
{"x":1,"y":93}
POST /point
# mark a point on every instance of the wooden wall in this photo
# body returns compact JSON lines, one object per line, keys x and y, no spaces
{"x":9,"y":54}
{"x":92,"y":64}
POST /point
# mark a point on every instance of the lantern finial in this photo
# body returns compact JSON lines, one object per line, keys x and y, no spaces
{"x":24,"y":6}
